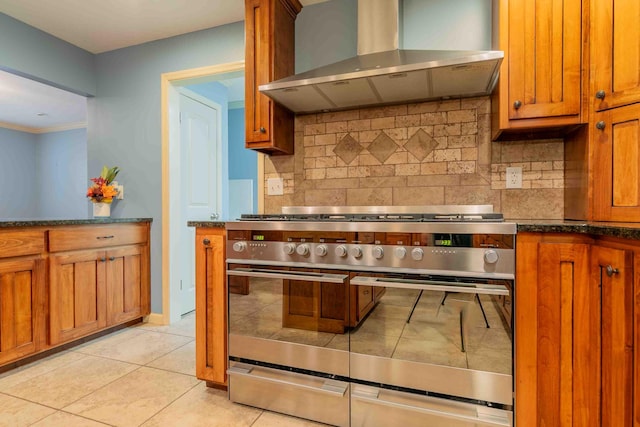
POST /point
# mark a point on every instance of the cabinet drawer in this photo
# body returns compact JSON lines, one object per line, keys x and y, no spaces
{"x":18,"y":243}
{"x":96,"y":236}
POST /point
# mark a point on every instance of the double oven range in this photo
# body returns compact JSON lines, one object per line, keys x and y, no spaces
{"x":374,"y":316}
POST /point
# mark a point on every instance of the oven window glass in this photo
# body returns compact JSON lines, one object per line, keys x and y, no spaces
{"x":453,"y":329}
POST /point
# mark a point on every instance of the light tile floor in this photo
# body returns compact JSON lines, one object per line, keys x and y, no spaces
{"x":140,"y":376}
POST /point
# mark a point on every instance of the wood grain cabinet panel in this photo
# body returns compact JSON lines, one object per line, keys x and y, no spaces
{"x":540,"y":77}
{"x":269,"y":56}
{"x":22,"y":307}
{"x":615,"y":142}
{"x":77,"y":295}
{"x":613,"y":272}
{"x":126,"y":284}
{"x":211,"y":307}
{"x":555,"y":326}
{"x":615,"y":53}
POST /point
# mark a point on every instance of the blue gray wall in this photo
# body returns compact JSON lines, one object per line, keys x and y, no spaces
{"x":242,"y":162}
{"x":18,"y":195}
{"x":61,"y":164}
{"x":32,"y":53}
{"x":124,"y":119}
{"x":43,"y":175}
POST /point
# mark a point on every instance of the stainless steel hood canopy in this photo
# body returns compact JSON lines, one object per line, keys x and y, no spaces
{"x":382,"y":74}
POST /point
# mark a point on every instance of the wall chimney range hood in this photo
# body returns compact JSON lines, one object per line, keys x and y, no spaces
{"x":382,"y":74}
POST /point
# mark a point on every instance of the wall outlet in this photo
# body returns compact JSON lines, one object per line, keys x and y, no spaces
{"x":120,"y":189}
{"x":275,"y":187}
{"x":514,"y":177}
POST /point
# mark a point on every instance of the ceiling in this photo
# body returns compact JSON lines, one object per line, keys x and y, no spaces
{"x":98,"y":26}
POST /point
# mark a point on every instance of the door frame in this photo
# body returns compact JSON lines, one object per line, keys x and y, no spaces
{"x":169,"y":108}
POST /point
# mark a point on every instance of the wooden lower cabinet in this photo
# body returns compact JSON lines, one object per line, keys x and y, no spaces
{"x":211,"y":307}
{"x":22,"y":307}
{"x":577,"y":310}
{"x":77,"y":292}
{"x":127,"y":284}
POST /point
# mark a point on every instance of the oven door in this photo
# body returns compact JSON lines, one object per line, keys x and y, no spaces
{"x":288,"y":341}
{"x":437,"y":335}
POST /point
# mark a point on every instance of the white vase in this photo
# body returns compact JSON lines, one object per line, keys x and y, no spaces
{"x":101,"y":210}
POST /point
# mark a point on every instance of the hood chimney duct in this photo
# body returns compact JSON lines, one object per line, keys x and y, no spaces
{"x":378,"y":26}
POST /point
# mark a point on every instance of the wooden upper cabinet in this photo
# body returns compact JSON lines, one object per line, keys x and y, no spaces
{"x":540,"y":77}
{"x":615,"y":142}
{"x":269,"y":56}
{"x":615,"y":53}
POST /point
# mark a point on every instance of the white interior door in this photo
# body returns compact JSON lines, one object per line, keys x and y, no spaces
{"x":199,"y":173}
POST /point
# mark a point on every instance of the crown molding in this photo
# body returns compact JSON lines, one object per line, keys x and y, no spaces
{"x":49,"y":129}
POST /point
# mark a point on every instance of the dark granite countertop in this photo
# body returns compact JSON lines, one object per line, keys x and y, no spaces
{"x":206,"y":224}
{"x":5,"y":223}
{"x":612,"y":229}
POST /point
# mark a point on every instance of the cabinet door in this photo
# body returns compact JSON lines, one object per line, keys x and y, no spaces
{"x":22,"y":311}
{"x":543,"y":56}
{"x":76,"y":295}
{"x":126,"y":271}
{"x":555,"y":328}
{"x":269,"y":56}
{"x":616,"y":160}
{"x":257,"y":70}
{"x":211,"y":307}
{"x":613,"y":270}
{"x":615,"y":52}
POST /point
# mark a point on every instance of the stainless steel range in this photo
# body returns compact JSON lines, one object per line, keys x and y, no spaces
{"x":374,"y":316}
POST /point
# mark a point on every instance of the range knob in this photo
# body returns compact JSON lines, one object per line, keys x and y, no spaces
{"x":378,"y":252}
{"x":289,"y":248}
{"x":417,"y":254}
{"x":356,"y":252}
{"x":341,"y":251}
{"x":239,"y":246}
{"x":303,"y":249}
{"x":321,"y":250}
{"x":491,"y":256}
{"x":400,"y":252}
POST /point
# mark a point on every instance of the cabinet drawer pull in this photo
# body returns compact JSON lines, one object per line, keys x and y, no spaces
{"x":611,"y":271}
{"x":601,"y":124}
{"x":105,"y":237}
{"x":600,"y":94}
{"x":206,"y":242}
{"x":517,"y":104}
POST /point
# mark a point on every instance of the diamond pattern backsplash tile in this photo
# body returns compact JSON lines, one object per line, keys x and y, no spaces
{"x":348,"y":149}
{"x":420,"y":144}
{"x":382,"y":147}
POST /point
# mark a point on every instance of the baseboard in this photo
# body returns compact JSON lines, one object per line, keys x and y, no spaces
{"x":155,"y":319}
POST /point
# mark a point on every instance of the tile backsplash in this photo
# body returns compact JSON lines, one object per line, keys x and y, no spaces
{"x":429,"y":153}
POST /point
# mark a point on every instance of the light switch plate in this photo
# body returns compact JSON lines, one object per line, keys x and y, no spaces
{"x":275,"y":187}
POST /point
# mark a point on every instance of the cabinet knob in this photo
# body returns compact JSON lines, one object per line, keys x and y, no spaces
{"x":601,"y":125}
{"x":517,"y":104}
{"x":206,"y":242}
{"x":112,"y":258}
{"x":611,"y":271}
{"x":103,"y":259}
{"x":263,"y":130}
{"x":600,"y":94}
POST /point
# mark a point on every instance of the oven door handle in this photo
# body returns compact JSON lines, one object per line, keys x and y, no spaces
{"x":332,"y":387}
{"x":431,"y":285}
{"x":290,"y":275}
{"x":476,"y":421}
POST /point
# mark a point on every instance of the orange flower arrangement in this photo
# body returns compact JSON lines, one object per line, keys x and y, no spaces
{"x":102,"y":191}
